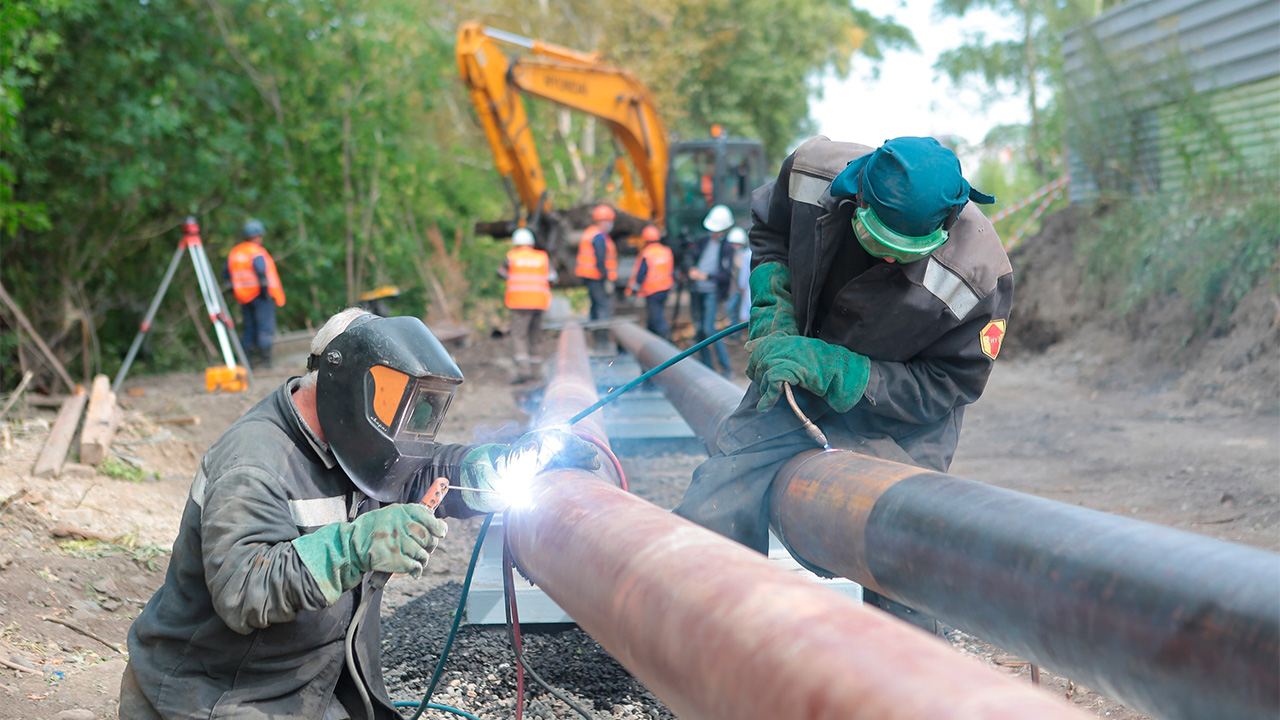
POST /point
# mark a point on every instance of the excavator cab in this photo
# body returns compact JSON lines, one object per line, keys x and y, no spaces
{"x":704,"y":173}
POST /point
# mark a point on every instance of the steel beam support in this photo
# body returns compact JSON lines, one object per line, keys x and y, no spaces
{"x":1174,"y":624}
{"x":712,"y":628}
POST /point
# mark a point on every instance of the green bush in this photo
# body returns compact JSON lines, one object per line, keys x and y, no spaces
{"x":1208,"y":247}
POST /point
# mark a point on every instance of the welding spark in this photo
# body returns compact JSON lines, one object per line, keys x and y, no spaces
{"x":516,"y":472}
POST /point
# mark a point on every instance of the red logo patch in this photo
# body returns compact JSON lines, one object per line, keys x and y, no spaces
{"x":991,"y":337}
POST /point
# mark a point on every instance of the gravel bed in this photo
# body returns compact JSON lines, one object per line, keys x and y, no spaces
{"x":480,"y":675}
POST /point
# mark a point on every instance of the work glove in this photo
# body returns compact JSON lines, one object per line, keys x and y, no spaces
{"x":772,"y":310}
{"x":394,"y":539}
{"x":836,"y":374}
{"x":508,"y":469}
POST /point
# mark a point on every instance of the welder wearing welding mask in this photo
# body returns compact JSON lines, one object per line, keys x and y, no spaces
{"x":293,"y":512}
{"x":880,"y":295}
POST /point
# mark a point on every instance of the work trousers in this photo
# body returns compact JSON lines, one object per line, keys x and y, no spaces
{"x":656,"y":317}
{"x":730,"y":490}
{"x":599,"y":299}
{"x":526,"y":335}
{"x":259,"y":327}
{"x":705,"y":307}
{"x":134,"y":704}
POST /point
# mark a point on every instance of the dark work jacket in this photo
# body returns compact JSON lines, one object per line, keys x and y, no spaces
{"x":240,"y":629}
{"x":919,"y":323}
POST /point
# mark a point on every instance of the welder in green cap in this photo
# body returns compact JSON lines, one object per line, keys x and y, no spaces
{"x":880,"y":294}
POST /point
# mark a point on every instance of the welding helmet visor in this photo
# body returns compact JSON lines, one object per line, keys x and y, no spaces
{"x":384,"y":387}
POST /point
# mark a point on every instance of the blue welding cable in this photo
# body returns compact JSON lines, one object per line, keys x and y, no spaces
{"x":435,"y":706}
{"x":659,"y":368}
{"x":453,"y":631}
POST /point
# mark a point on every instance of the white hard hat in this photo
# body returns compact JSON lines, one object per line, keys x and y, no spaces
{"x":738,"y":236}
{"x":522,"y":236}
{"x":719,"y":219}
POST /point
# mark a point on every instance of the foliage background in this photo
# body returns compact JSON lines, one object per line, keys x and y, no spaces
{"x":343,"y":127}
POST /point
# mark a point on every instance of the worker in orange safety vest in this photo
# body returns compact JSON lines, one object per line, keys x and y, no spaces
{"x":652,"y":279}
{"x":529,"y":275}
{"x":257,"y":288}
{"x":598,"y":260}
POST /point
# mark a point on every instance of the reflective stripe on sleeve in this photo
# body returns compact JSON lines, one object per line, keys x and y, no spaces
{"x":313,"y":512}
{"x":807,"y":188}
{"x":949,"y":288}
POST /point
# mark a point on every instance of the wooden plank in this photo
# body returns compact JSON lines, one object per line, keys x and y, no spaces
{"x":54,"y":454}
{"x":13,"y":397}
{"x":25,"y":324}
{"x":100,"y":422}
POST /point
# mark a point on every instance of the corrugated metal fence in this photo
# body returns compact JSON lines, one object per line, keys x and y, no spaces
{"x":1160,"y":87}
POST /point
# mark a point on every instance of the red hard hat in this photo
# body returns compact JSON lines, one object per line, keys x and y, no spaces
{"x":650,"y":234}
{"x":601,"y":213}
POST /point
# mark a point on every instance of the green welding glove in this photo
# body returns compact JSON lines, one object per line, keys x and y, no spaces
{"x":772,"y":312}
{"x":834,"y":373}
{"x":394,"y":539}
{"x":772,"y":309}
{"x":502,"y":473}
{"x":480,"y":473}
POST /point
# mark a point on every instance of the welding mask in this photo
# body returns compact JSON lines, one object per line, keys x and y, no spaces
{"x":383,"y":389}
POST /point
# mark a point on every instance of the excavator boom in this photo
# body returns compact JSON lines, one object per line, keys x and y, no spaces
{"x":576,"y":80}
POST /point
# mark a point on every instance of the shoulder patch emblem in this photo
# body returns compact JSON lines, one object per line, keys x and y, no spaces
{"x":991,"y":337}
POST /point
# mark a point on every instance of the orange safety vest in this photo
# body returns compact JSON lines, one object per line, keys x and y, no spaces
{"x":244,"y":281}
{"x":659,"y":263}
{"x":528,"y":279}
{"x":587,"y":256}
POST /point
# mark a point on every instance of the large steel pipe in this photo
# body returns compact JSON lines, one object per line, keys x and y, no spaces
{"x":715,"y":630}
{"x":1174,"y":624}
{"x":703,"y":388}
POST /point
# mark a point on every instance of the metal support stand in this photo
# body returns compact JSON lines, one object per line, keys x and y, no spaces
{"x":222,"y":325}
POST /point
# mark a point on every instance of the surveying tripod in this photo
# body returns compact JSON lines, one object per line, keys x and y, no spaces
{"x":222,"y":325}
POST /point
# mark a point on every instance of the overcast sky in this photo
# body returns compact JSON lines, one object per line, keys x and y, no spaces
{"x":907,"y":98}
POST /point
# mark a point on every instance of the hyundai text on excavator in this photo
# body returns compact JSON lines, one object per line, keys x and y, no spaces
{"x":671,"y":185}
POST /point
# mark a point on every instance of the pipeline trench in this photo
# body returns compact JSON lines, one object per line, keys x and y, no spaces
{"x":658,"y":452}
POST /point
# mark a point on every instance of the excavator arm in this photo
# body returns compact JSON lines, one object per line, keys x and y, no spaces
{"x":579,"y":81}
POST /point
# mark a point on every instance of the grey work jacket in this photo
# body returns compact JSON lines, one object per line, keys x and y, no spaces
{"x":240,"y":629}
{"x":920,"y":323}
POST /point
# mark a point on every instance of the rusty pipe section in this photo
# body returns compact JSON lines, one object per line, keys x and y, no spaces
{"x":571,"y":388}
{"x":715,"y":630}
{"x":713,"y":397}
{"x":1174,"y":624}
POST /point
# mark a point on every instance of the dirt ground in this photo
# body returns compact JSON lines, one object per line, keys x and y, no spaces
{"x":80,"y":555}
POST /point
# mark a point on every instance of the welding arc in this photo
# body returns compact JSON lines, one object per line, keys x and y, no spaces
{"x":466,"y":585}
{"x":677,"y":358}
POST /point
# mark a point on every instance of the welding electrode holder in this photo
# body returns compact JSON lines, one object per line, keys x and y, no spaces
{"x":810,"y":428}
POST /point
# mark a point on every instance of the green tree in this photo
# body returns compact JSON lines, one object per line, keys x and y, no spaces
{"x":26,"y":41}
{"x":1029,"y":65}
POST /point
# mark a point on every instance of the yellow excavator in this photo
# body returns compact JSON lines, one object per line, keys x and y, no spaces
{"x":671,"y":185}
